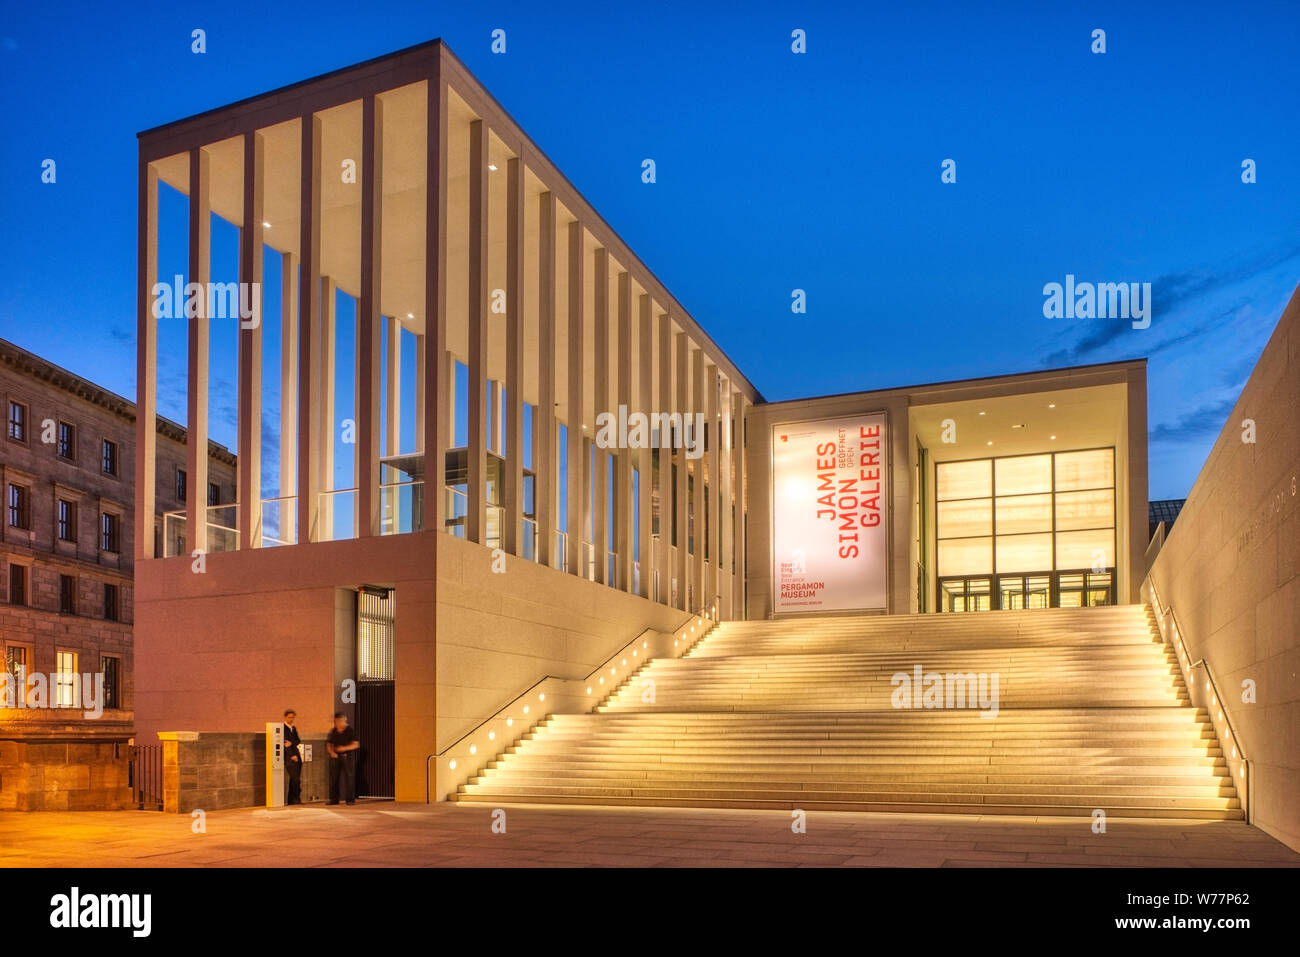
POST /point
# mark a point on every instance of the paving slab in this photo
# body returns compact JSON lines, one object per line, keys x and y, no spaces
{"x":386,"y":834}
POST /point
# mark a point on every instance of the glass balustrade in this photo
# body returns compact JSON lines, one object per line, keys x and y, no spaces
{"x":223,"y":528}
{"x":337,"y":517}
{"x":279,"y":521}
{"x":401,"y":508}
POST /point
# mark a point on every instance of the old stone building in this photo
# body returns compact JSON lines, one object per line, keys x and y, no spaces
{"x":66,"y":588}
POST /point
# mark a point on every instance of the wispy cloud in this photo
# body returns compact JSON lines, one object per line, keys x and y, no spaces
{"x":1203,"y":421}
{"x":1169,"y":294}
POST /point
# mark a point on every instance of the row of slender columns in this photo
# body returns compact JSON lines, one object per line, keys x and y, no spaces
{"x":686,"y":383}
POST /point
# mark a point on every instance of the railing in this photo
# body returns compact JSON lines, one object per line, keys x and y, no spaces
{"x":223,"y":528}
{"x":280,"y":521}
{"x":528,"y":544}
{"x":503,"y":729}
{"x":1229,"y":741}
{"x":337,"y":516}
{"x":174,"y":528}
{"x":1157,"y":542}
{"x":401,"y":507}
{"x":558,"y":553}
{"x":457,"y":520}
{"x":457,"y":510}
{"x":144,"y":774}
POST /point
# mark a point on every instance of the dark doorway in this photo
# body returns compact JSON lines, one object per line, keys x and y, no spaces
{"x":376,"y":624}
{"x":375,"y":775}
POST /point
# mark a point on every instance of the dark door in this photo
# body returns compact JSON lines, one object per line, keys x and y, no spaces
{"x":376,"y":625}
{"x":375,"y":731}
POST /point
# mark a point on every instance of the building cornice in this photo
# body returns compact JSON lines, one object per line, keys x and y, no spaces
{"x":32,"y":366}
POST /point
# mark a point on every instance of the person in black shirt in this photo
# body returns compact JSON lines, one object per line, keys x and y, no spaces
{"x":292,"y":758}
{"x":343,"y":745}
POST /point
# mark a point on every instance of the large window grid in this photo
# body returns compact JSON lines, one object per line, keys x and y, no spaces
{"x":1026,"y":531}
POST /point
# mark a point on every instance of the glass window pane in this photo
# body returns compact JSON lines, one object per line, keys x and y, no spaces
{"x":965,"y":519}
{"x":972,"y":479}
{"x":965,"y":556}
{"x":1025,"y":513}
{"x":1023,"y":474}
{"x":1024,"y":553}
{"x":1038,"y":592}
{"x":1093,"y":509}
{"x":1085,"y":549}
{"x":1013,"y":592}
{"x":953,"y":595}
{"x":1094,"y":468}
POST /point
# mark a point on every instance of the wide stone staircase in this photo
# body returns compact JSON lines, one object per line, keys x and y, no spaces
{"x":1080,"y":709}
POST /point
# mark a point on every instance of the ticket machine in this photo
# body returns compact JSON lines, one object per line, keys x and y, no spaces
{"x":274,"y":764}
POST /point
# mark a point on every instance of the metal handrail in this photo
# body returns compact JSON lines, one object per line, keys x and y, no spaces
{"x":1216,"y":695}
{"x":495,"y":714}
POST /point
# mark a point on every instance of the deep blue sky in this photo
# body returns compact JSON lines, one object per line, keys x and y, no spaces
{"x":775,"y":171}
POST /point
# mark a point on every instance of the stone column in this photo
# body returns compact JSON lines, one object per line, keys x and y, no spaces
{"x":544,"y":458}
{"x":683,"y":374}
{"x":645,"y":465}
{"x":600,"y":369}
{"x":476,"y":498}
{"x":248,"y":492}
{"x":434,"y":397}
{"x":310,"y":382}
{"x":146,"y":343}
{"x":368,"y":509}
{"x":623,"y":456}
{"x":196,"y":447}
{"x":512,"y":487}
{"x":577,"y":483}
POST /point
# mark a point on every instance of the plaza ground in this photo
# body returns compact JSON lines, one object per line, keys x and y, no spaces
{"x":387,"y":834}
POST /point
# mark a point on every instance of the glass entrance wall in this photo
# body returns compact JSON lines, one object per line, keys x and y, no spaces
{"x":1041,"y":526}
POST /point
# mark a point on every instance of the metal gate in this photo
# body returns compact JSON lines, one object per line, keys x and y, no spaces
{"x":146,"y":778}
{"x":375,"y":695}
{"x":375,"y":773}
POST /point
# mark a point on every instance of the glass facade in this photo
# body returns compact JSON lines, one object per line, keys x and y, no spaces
{"x":1026,"y":531}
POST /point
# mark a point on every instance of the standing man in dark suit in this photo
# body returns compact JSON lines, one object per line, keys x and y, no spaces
{"x":292,"y":758}
{"x":343,"y":746}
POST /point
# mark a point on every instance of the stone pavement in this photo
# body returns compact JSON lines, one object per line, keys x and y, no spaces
{"x":380,"y":834}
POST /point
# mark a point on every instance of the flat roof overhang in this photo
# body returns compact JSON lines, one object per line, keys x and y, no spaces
{"x":165,"y":147}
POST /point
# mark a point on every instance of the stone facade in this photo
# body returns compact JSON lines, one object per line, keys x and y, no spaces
{"x":1228,"y":570}
{"x":215,"y":771}
{"x":66,"y":576}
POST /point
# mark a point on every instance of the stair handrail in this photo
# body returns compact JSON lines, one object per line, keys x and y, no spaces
{"x":1247,"y":770}
{"x":496,"y":715}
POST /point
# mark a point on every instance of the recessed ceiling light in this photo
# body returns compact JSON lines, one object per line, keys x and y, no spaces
{"x":1051,"y":405}
{"x":988,"y":443}
{"x":981,"y":413}
{"x":266,"y":225}
{"x":1020,"y":426}
{"x":1053,"y":438}
{"x":410,"y":315}
{"x":492,"y":167}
